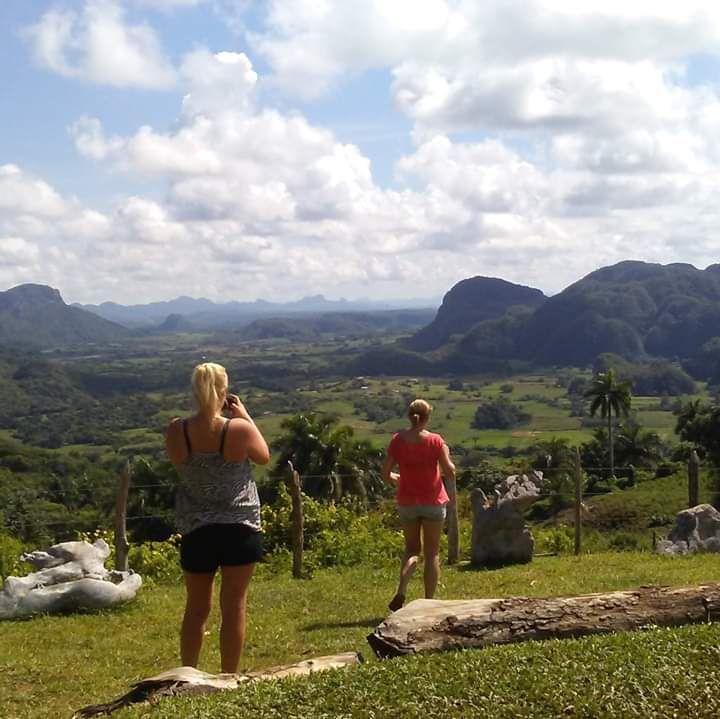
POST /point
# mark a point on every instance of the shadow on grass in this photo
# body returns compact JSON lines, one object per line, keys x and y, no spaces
{"x":371,"y":622}
{"x":470,"y":567}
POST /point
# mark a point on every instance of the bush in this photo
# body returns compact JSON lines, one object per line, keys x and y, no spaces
{"x":499,"y":413}
{"x":156,"y":561}
{"x":334,"y":534}
{"x":560,"y":540}
{"x":10,"y":551}
{"x":625,"y":542}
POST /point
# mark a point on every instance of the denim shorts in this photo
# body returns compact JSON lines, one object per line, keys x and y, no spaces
{"x":414,"y":512}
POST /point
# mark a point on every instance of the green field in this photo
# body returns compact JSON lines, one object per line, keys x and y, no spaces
{"x":50,"y":666}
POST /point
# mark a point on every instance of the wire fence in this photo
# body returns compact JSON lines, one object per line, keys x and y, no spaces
{"x":571,"y":489}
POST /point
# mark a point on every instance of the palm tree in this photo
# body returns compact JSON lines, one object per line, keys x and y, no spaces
{"x":555,"y":459}
{"x":609,"y":396}
{"x":327,"y":454}
{"x":638,"y":446}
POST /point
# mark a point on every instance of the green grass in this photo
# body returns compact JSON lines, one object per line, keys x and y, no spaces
{"x":652,"y":503}
{"x":52,"y":665}
{"x":672,"y":673}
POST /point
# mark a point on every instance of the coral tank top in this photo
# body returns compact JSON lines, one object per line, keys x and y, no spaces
{"x":420,"y":480}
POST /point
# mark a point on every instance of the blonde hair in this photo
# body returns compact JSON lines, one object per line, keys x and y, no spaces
{"x":209,"y":386}
{"x":419,"y":411}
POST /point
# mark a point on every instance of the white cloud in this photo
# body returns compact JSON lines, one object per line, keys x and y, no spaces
{"x":310,"y":44}
{"x":169,"y":4}
{"x":17,"y":253}
{"x":22,"y":194}
{"x":98,"y":46}
{"x":583,"y":145}
{"x":217,"y":82}
{"x":90,"y":139}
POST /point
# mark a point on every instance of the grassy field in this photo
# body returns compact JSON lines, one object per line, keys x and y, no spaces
{"x":50,"y":666}
{"x":538,"y":395}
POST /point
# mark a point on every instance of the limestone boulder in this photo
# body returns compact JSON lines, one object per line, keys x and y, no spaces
{"x":500,"y":534}
{"x":70,"y":576}
{"x":696,"y":530}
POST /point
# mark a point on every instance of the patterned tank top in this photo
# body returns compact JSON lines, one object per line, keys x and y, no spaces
{"x":214,"y":491}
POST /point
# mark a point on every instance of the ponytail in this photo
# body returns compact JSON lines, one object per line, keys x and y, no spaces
{"x":419,"y":411}
{"x":209,"y":386}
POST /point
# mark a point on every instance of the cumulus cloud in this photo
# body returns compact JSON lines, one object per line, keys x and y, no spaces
{"x":169,"y":4}
{"x":16,"y":252}
{"x":582,"y":144}
{"x":98,"y":45}
{"x":217,"y":82}
{"x":21,"y":194}
{"x":309,"y":44}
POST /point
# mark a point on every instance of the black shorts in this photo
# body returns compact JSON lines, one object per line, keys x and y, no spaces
{"x":220,"y":545}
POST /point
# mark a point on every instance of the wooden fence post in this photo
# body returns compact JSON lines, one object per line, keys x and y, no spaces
{"x":296,"y":521}
{"x":453,"y":532}
{"x":578,"y":502}
{"x":121,"y":543}
{"x":693,"y":480}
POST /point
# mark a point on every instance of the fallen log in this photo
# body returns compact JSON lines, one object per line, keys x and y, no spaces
{"x":429,"y":625}
{"x":188,"y":680}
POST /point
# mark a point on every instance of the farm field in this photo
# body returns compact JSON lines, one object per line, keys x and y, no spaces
{"x":50,"y":666}
{"x":278,"y":379}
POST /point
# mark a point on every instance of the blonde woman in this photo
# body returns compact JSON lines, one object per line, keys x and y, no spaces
{"x":421,"y":496}
{"x":218,"y":510}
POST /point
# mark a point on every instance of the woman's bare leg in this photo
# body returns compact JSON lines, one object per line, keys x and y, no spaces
{"x":411,"y":530}
{"x":233,"y":603}
{"x":431,"y":532}
{"x":199,"y":588}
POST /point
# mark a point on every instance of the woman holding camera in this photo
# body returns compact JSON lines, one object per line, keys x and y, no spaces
{"x":421,"y":496}
{"x":218,"y":510}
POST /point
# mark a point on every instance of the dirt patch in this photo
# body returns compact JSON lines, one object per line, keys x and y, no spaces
{"x":524,"y":433}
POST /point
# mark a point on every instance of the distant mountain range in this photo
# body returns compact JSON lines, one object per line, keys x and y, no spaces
{"x":636,"y":310}
{"x":338,"y":324}
{"x":35,"y":316}
{"x":202,"y":313}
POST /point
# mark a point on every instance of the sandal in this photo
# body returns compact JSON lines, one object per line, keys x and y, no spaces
{"x":396,"y":602}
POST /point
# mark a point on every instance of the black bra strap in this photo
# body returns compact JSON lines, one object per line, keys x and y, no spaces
{"x":222,"y":436}
{"x":187,"y":436}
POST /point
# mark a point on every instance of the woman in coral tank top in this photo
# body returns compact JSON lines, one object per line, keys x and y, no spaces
{"x":421,"y":497}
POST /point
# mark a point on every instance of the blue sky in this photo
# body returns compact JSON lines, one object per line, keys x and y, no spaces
{"x":150,"y":147}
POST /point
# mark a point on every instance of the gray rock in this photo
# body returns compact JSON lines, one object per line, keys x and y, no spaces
{"x":696,"y":530}
{"x":500,"y":534}
{"x":71,"y":575}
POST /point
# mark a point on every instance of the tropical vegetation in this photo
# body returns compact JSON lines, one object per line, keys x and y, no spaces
{"x":609,"y":397}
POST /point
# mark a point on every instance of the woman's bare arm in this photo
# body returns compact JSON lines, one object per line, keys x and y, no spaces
{"x":248,"y":435}
{"x":174,"y":441}
{"x":446,"y":465}
{"x":386,"y":472}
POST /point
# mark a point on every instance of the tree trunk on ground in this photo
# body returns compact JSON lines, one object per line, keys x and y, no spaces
{"x":429,"y":625}
{"x":187,"y":680}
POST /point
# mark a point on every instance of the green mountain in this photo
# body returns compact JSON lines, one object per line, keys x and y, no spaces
{"x":633,"y":309}
{"x":35,"y":316}
{"x":470,"y":302}
{"x":637,"y":311}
